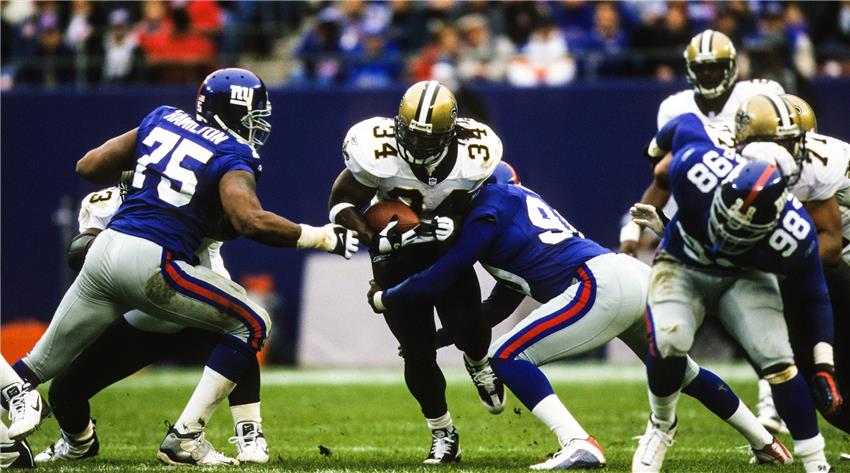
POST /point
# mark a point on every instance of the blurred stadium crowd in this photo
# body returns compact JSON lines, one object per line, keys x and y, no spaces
{"x":375,"y":44}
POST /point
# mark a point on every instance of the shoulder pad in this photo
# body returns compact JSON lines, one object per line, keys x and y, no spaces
{"x":479,"y":149}
{"x":361,"y":148}
{"x":761,"y":86}
{"x":673,"y":106}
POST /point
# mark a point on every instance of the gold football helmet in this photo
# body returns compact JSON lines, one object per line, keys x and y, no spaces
{"x":425,"y":124}
{"x":808,"y":120}
{"x":711,"y":63}
{"x":767,"y":118}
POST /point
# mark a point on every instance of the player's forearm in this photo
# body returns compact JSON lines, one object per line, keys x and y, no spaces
{"x":347,"y":198}
{"x":267,"y":228}
{"x":104,"y":164}
{"x":352,"y":219}
{"x":829,"y":247}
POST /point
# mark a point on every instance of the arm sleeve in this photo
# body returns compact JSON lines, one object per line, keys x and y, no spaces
{"x":475,"y":237}
{"x":500,"y":304}
{"x":808,"y":285}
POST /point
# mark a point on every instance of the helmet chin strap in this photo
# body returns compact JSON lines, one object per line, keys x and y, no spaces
{"x":238,"y":137}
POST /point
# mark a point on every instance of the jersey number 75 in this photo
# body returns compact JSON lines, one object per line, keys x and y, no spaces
{"x":176,"y":182}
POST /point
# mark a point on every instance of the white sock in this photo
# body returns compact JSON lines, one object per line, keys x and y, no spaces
{"x":664,"y":408}
{"x":764,"y":389}
{"x":552,"y":412}
{"x":475,"y":363}
{"x":442,"y":422}
{"x":211,"y":390}
{"x":84,"y":435}
{"x":246,"y":413}
{"x":745,"y":422}
{"x":810,"y":449}
{"x":4,"y":434}
{"x":8,"y":375}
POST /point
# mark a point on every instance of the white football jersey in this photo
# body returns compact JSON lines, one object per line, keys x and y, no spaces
{"x":824,"y":169}
{"x":684,"y":102}
{"x":370,"y":154}
{"x":97,"y":209}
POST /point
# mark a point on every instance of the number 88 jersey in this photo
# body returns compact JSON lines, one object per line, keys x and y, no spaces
{"x":372,"y":156}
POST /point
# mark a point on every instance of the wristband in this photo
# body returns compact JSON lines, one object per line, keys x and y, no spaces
{"x":336,"y":209}
{"x":311,"y":237}
{"x":823,"y":354}
{"x":630,"y":232}
{"x":376,"y":301}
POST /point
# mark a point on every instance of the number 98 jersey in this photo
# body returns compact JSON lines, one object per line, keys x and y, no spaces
{"x":372,"y":156}
{"x":174,"y":201}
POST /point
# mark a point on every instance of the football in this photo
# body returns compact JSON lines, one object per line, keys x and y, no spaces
{"x":379,"y":215}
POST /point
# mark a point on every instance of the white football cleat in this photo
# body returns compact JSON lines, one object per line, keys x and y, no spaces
{"x":26,"y":409}
{"x":576,"y":454}
{"x":772,"y":453}
{"x":250,"y":443}
{"x":818,"y":466}
{"x":191,"y":449}
{"x":652,"y":447}
{"x":768,"y":416}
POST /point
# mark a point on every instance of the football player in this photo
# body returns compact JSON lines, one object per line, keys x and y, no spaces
{"x":736,"y":227}
{"x":815,"y":167}
{"x":432,"y":160}
{"x":191,"y":173}
{"x":589,"y":295}
{"x":142,"y":340}
{"x":711,"y":62}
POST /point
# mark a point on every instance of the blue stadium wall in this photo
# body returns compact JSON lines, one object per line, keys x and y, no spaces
{"x":580,"y":147}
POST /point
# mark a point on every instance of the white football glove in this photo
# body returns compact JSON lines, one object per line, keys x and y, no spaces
{"x":389,"y":239}
{"x":646,"y":216}
{"x":444,"y":228}
{"x":774,"y":154}
{"x":332,"y":238}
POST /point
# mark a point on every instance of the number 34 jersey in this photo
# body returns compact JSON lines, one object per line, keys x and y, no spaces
{"x":174,"y":201}
{"x":371,"y":154}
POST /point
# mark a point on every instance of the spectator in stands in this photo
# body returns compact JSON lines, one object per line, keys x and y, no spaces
{"x":603,"y":50}
{"x":484,"y":56}
{"x":175,"y":52}
{"x":779,"y":51}
{"x":84,"y":36}
{"x":574,"y":17}
{"x":521,"y":19}
{"x":123,"y":61}
{"x":544,"y":60}
{"x":661,"y":42}
{"x":52,"y":62}
{"x":438,"y":60}
{"x":376,"y":62}
{"x":408,"y":28}
{"x":835,"y":42}
{"x":321,"y":51}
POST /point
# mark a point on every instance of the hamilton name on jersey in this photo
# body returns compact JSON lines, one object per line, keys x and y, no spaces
{"x":188,"y":123}
{"x":371,"y":154}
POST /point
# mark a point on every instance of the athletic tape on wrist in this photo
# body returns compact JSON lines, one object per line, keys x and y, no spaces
{"x":823,"y":354}
{"x":630,"y":232}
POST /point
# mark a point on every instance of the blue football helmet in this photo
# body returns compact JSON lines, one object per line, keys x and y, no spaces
{"x":236,"y":101}
{"x":504,"y":174}
{"x":746,"y":206}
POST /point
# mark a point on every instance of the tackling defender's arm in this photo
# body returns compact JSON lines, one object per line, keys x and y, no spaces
{"x":240,"y":202}
{"x":827,"y":218}
{"x":348,"y":196}
{"x":656,"y":195}
{"x":104,"y":164}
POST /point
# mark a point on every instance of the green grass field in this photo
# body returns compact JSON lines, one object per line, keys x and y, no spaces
{"x":369,"y":423}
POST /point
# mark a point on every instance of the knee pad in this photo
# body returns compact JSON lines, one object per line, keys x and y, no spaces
{"x":672,"y":340}
{"x":779,"y":373}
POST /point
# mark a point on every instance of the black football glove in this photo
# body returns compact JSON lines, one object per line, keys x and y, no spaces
{"x":825,"y":391}
{"x":389,"y":239}
{"x":346,"y":241}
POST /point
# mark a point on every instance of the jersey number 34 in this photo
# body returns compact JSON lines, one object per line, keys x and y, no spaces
{"x":177,"y":182}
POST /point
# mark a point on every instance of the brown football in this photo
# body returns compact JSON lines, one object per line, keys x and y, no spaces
{"x":379,"y":215}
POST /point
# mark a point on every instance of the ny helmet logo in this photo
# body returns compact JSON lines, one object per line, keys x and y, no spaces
{"x":241,"y":95}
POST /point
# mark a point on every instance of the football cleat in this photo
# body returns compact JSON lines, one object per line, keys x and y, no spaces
{"x":16,"y":455}
{"x":66,"y":449}
{"x":768,"y":416}
{"x":491,"y":390}
{"x":250,"y":443}
{"x":26,"y":409}
{"x":652,"y":447}
{"x":773,"y":452}
{"x":576,"y":454}
{"x":191,"y":449}
{"x":445,"y":446}
{"x":817,"y":466}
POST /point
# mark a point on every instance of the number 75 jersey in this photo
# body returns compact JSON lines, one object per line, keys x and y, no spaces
{"x":174,"y":199}
{"x":371,"y":154}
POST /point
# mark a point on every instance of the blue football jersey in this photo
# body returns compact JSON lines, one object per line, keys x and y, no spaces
{"x":174,"y":199}
{"x":518,"y":237}
{"x":790,"y":249}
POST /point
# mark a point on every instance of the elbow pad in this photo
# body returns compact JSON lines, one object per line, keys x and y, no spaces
{"x":78,"y":248}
